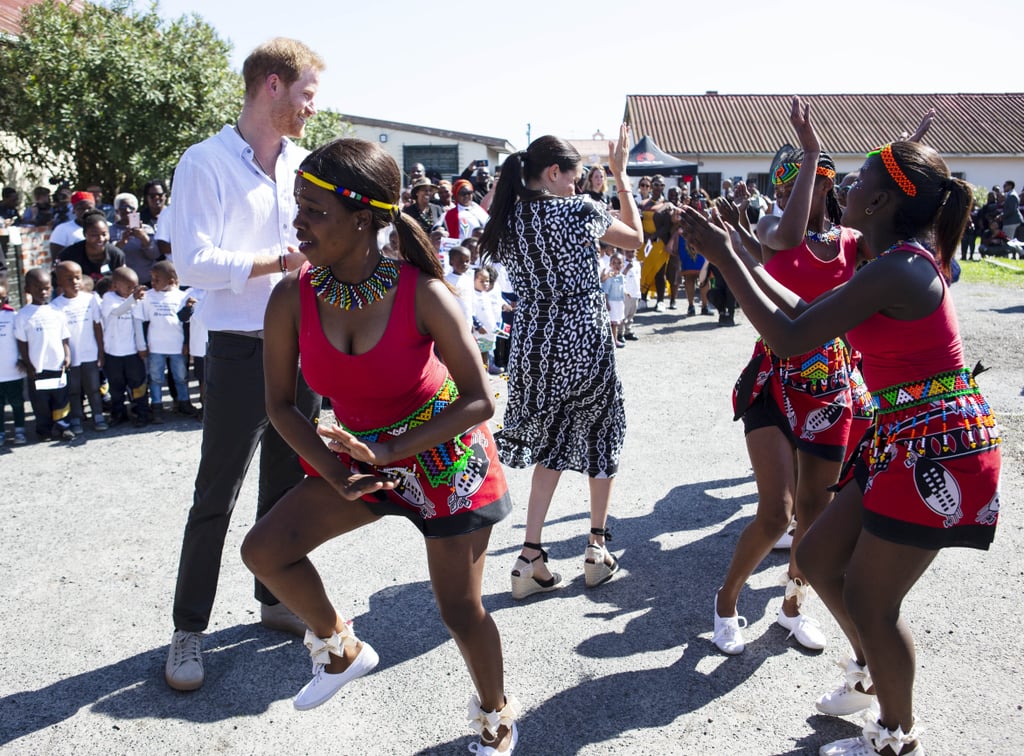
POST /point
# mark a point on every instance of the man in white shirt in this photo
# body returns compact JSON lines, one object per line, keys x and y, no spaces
{"x":233,"y":237}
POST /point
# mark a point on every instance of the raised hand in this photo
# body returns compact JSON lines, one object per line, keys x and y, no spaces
{"x":922,"y":128}
{"x":800,"y":117}
{"x":618,"y":152}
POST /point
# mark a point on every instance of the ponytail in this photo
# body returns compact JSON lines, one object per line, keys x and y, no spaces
{"x":951,"y":220}
{"x":511,"y":185}
{"x":516,"y":172}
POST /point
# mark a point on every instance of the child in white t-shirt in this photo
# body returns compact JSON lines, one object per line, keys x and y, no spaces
{"x":461,"y":280}
{"x":45,"y":354}
{"x":124,"y":368}
{"x":81,"y":309}
{"x":486,"y":312}
{"x":164,"y":338}
{"x":631,"y":291}
{"x":12,"y":380}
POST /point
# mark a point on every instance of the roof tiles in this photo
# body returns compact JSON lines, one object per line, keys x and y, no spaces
{"x":847,"y":124}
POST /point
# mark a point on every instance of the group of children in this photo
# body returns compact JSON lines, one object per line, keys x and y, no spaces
{"x":487,"y":304}
{"x":109,"y":336}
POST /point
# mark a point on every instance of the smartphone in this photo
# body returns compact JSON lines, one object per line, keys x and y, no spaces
{"x":483,"y":163}
{"x":134,"y":221}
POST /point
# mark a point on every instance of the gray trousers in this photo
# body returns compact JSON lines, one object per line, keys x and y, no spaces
{"x":234,"y":423}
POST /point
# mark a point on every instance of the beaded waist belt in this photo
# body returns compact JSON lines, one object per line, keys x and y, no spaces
{"x":441,"y":463}
{"x":902,"y":396}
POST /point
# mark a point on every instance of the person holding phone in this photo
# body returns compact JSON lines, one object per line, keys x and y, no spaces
{"x":133,"y":237}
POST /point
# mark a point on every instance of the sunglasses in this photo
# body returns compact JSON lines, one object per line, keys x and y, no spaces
{"x":465,"y":192}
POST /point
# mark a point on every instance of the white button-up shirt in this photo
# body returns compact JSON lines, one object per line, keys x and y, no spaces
{"x":226,"y":212}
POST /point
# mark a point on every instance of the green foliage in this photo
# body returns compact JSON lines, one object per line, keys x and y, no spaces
{"x":112,"y":95}
{"x":325,"y":126}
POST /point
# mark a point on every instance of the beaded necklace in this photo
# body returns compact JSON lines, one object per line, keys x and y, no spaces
{"x":908,"y":242}
{"x":347,"y":296}
{"x":825,"y":237}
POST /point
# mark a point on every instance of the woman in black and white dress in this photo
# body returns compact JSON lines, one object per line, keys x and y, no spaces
{"x":565,"y":408}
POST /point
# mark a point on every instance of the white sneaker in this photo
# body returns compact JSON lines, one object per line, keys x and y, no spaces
{"x":325,"y":684}
{"x":482,"y":750}
{"x":184,"y":667}
{"x":805,"y":629}
{"x":873,"y":741}
{"x":847,"y":699}
{"x":727,"y":636}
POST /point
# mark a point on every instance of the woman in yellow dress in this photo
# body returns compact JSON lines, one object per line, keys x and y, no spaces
{"x":653,"y":256}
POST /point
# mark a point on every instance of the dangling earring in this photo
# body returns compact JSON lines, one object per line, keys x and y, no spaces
{"x":868,"y":211}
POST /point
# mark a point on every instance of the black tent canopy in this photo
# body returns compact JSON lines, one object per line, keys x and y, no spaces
{"x":647,"y":159}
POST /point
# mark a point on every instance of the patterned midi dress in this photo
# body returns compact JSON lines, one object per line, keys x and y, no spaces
{"x":565,"y":408}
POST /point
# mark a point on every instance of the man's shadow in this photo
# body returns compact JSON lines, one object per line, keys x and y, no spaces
{"x":267,"y":665}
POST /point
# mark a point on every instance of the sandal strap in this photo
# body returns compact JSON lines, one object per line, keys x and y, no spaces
{"x":543,"y":554}
{"x":602,"y":532}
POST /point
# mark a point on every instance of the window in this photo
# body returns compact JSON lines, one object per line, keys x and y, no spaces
{"x":440,"y":160}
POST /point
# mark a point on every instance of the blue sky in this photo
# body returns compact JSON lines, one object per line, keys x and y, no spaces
{"x":566,"y":66}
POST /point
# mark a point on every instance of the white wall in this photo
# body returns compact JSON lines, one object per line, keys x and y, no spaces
{"x":397,"y":139}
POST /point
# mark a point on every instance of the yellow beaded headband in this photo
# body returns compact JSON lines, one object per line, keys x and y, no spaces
{"x":895,"y":172}
{"x":345,"y":192}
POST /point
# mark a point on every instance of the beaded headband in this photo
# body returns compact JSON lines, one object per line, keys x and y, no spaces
{"x":786,"y":172}
{"x":895,"y":172}
{"x":345,"y":192}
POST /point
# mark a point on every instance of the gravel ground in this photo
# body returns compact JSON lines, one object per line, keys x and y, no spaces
{"x":91,"y":533}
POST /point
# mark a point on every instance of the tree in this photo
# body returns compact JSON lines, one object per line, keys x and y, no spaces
{"x":112,"y":95}
{"x":325,"y":126}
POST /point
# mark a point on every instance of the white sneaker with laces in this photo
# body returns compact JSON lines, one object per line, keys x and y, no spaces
{"x":727,"y":636}
{"x":847,"y":698}
{"x":184,"y":667}
{"x":805,"y":629}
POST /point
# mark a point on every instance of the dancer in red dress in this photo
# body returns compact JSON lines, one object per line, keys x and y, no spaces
{"x":410,"y":438}
{"x":928,"y":477}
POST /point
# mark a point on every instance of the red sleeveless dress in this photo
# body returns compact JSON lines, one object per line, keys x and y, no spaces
{"x":930,"y":470}
{"x":813,"y":390}
{"x":398,"y":384}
